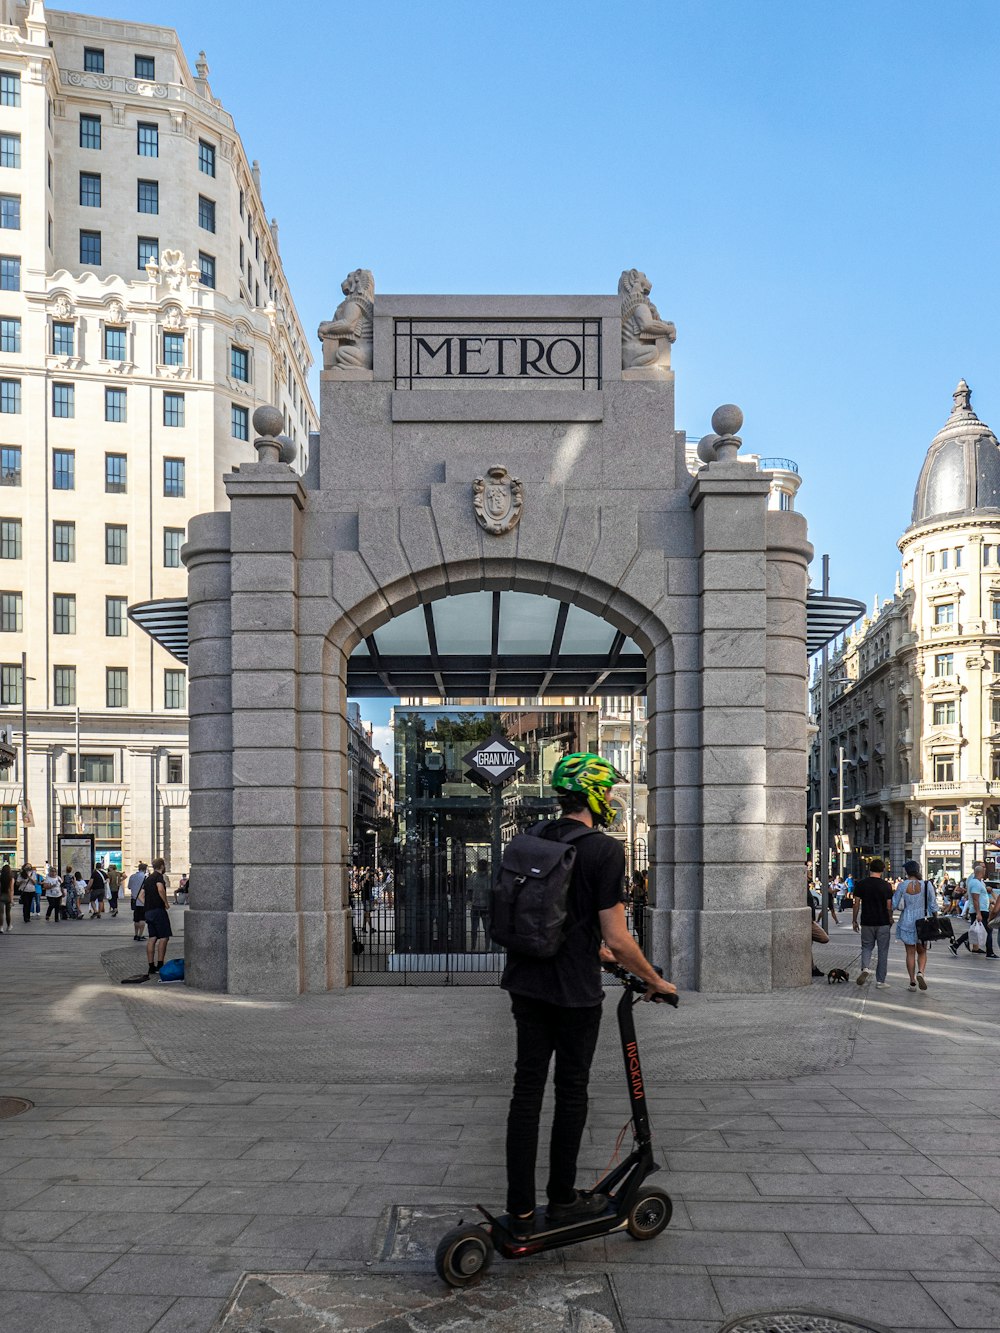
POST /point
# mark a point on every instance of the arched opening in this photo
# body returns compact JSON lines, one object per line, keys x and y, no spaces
{"x":490,"y":688}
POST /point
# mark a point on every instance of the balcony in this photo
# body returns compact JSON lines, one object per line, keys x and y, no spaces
{"x":973,"y":788}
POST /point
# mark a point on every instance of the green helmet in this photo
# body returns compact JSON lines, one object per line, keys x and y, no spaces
{"x":591,"y":775}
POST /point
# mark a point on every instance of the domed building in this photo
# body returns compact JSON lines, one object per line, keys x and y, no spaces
{"x":914,"y":722}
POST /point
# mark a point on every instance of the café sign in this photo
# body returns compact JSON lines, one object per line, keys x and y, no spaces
{"x":495,"y":759}
{"x":559,"y":353}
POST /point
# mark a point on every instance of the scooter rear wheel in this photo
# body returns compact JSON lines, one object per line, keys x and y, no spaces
{"x":649,"y":1214}
{"x":463,"y":1255}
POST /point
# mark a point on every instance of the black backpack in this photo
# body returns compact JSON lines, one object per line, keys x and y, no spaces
{"x":530,"y":897}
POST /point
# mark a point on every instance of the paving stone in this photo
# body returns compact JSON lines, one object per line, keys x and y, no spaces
{"x":890,"y":1253}
{"x":290,"y":1199}
{"x":902,"y":1305}
{"x":190,"y":1314}
{"x":29,"y":1311}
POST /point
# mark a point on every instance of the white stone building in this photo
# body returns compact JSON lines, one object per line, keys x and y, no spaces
{"x":144,"y":314}
{"x":915,"y":690}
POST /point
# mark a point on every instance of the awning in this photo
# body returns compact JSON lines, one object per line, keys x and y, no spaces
{"x":826,"y":617}
{"x":494,"y":644}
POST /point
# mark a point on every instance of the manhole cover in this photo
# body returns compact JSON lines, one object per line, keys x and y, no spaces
{"x":798,"y":1321}
{"x":13,"y":1106}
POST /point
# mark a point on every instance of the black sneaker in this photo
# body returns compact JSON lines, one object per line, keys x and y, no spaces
{"x":521,"y":1228}
{"x":583,"y":1208}
{"x":953,"y":946}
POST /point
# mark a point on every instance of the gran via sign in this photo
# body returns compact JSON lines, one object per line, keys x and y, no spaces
{"x":495,"y":759}
{"x":556,"y":353}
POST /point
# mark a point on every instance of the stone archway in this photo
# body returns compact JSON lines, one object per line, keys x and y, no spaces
{"x":602,"y":511}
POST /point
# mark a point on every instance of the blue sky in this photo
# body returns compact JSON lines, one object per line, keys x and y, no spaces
{"x":811,"y":187}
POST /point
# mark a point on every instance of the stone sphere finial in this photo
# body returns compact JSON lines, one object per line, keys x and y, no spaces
{"x":268,"y":422}
{"x":288,"y":450}
{"x":727,"y":419}
{"x":706,"y":448}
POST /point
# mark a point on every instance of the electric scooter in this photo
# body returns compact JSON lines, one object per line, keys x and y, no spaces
{"x":465,"y":1253}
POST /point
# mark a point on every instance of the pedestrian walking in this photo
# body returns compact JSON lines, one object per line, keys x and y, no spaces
{"x":70,"y":893}
{"x":53,"y":895}
{"x":979,"y":910}
{"x":873,"y":904}
{"x":97,"y":887}
{"x":556,"y":1001}
{"x":479,"y":889}
{"x":114,"y":878}
{"x":6,"y":895}
{"x":135,"y":883}
{"x":24,"y":887}
{"x":153,"y":897}
{"x":915,"y":898}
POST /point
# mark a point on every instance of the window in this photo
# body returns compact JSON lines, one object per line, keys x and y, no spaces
{"x":240,"y":422}
{"x":104,"y":821}
{"x":173,"y":349}
{"x":173,"y":477}
{"x":944,"y":560}
{"x":63,"y":400}
{"x":206,"y":213}
{"x":944,"y":822}
{"x":173,"y":689}
{"x":10,"y":465}
{"x":10,"y":612}
{"x":10,"y":397}
{"x":10,"y":273}
{"x":944,"y":613}
{"x":149,"y":197}
{"x":995,"y":607}
{"x":63,"y":470}
{"x":115,"y":474}
{"x":173,"y":539}
{"x":10,"y":90}
{"x":90,"y":131}
{"x":64,"y":543}
{"x":115,"y":404}
{"x":116,"y":687}
{"x":10,"y":212}
{"x":63,"y":339}
{"x":173,"y":409}
{"x":10,"y":150}
{"x":64,"y":613}
{"x":944,"y":713}
{"x":64,"y":686}
{"x":207,"y":265}
{"x":10,"y":683}
{"x":93,"y":59}
{"x":239,"y":364}
{"x":931,"y":562}
{"x":944,"y":664}
{"x":958,"y":557}
{"x":114,"y":342}
{"x":10,"y":335}
{"x":145,"y":67}
{"x":148,"y":141}
{"x":148,"y":251}
{"x":206,"y":158}
{"x":115,"y":544}
{"x":90,"y":247}
{"x":93,"y":767}
{"x":10,"y":539}
{"x":115,"y":619}
{"x":90,"y":189}
{"x":944,"y":768}
{"x":175,"y":769}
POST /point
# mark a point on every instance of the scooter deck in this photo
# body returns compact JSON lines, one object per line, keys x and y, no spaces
{"x":546,"y":1235}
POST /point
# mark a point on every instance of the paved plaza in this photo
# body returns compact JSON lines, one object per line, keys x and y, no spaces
{"x":816,"y":1144}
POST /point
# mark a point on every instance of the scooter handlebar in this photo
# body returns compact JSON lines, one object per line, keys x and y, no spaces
{"x":636,"y":985}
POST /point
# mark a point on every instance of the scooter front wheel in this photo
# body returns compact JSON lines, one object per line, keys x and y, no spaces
{"x":649,"y":1214}
{"x":463,"y":1255}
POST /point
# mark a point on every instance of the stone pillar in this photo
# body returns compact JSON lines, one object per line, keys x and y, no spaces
{"x":788,"y":555}
{"x":265,"y":942}
{"x":210,"y":764}
{"x":729,"y":499}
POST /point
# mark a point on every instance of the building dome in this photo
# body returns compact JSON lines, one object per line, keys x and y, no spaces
{"x":961,"y":473}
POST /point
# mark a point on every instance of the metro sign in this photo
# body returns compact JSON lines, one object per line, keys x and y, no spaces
{"x":495,"y":759}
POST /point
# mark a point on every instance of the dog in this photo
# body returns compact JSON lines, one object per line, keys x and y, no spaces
{"x":836,"y":975}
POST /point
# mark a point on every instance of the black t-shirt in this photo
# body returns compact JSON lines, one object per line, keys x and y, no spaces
{"x":154,"y":891}
{"x":572,"y":979}
{"x":874,"y":896}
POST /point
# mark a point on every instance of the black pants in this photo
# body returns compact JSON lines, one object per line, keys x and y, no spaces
{"x":964,"y":939}
{"x":27,"y":902}
{"x":571,"y":1034}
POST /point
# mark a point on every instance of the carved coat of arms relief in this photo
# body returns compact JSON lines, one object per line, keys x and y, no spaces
{"x":498,"y":499}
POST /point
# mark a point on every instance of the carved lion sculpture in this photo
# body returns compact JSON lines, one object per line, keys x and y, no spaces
{"x":347,"y":338}
{"x":642,"y":328}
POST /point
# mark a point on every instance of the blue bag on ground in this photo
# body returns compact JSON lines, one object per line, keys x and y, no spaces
{"x":172,"y":970}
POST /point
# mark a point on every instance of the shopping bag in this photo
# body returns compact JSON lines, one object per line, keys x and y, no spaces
{"x":977,"y":937}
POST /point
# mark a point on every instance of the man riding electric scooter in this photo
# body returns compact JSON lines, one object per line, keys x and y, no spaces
{"x":557,"y":1001}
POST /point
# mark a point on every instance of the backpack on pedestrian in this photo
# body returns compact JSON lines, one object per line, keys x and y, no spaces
{"x":530,"y":899}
